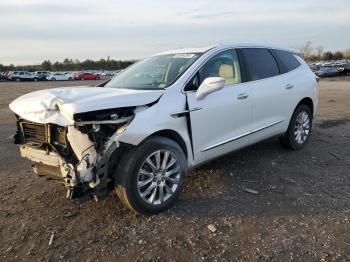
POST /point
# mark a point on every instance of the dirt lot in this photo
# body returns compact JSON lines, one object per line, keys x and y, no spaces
{"x":302,"y":211}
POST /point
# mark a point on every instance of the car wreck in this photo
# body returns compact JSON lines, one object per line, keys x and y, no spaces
{"x":140,"y":132}
{"x":67,"y":140}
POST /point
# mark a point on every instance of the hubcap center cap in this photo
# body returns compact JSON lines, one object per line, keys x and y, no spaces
{"x":159,"y":177}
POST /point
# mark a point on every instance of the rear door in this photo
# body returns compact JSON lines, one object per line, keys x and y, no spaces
{"x":297,"y":74}
{"x":220,"y":122}
{"x":272,"y":93}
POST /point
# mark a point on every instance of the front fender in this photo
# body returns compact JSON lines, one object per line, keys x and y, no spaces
{"x":148,"y":121}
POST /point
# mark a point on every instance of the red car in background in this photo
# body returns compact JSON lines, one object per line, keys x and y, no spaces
{"x":86,"y":76}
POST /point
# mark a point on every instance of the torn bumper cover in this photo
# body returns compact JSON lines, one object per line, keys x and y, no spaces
{"x":68,"y":154}
{"x":70,"y":133}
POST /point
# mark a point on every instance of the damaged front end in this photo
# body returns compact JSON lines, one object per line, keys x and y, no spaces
{"x":76,"y":154}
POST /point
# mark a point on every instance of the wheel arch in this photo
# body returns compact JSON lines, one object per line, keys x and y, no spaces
{"x":308,"y":102}
{"x":113,"y":159}
{"x":173,"y":135}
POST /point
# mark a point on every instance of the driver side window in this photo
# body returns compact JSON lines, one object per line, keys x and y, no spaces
{"x":224,"y":64}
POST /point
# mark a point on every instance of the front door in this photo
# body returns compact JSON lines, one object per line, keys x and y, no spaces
{"x":221,"y":121}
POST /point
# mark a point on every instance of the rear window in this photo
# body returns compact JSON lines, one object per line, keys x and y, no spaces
{"x":260,"y":63}
{"x":288,"y":60}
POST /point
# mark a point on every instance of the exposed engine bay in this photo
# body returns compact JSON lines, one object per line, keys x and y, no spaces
{"x":71,"y":134}
{"x":76,"y":154}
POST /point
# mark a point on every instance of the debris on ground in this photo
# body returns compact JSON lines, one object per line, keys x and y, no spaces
{"x":251,"y":191}
{"x":286,"y":180}
{"x":71,"y":214}
{"x":211,"y":228}
{"x":51,"y":239}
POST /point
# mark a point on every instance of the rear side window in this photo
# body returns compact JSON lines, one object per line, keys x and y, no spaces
{"x":288,"y":60}
{"x":259,"y":63}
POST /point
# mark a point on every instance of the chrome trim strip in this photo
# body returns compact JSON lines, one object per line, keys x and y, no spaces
{"x":117,"y":121}
{"x":183,"y":113}
{"x":195,"y":109}
{"x":240,"y":136}
{"x":264,"y":127}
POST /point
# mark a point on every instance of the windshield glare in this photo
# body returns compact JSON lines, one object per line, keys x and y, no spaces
{"x":156,"y":72}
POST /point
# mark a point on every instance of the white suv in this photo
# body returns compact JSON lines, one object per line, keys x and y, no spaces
{"x":141,"y":132}
{"x":22,"y":76}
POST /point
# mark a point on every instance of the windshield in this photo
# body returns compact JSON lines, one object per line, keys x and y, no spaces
{"x":156,"y":72}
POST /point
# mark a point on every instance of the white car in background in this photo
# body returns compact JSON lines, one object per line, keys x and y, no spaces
{"x":59,"y":76}
{"x":22,"y":76}
{"x":141,"y":132}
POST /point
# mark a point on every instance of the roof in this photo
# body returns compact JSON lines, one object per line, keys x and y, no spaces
{"x":223,"y":46}
{"x":188,"y":50}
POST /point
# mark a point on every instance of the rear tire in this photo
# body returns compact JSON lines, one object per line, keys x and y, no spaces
{"x":299,"y":129}
{"x":150,"y":189}
{"x":53,"y":79}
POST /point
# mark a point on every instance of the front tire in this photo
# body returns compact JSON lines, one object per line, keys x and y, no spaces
{"x":299,"y":129}
{"x":150,"y":177}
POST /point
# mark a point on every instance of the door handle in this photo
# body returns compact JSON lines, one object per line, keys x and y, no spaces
{"x":242,"y":96}
{"x":289,"y":86}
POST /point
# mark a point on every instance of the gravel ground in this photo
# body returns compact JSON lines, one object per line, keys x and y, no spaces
{"x":260,"y":203}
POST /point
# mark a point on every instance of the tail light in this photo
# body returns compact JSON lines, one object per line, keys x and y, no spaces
{"x":317,"y":79}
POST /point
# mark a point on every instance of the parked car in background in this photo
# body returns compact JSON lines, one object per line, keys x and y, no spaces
{"x":22,"y":76}
{"x":86,"y":76}
{"x":141,"y":132}
{"x":346,"y":68}
{"x":327,"y":72}
{"x":58,"y":76}
{"x":41,"y":75}
{"x":6,"y":75}
{"x":9,"y":75}
{"x":3,"y":75}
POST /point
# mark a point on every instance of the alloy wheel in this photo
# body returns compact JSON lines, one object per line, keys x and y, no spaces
{"x":158,"y":177}
{"x":302,"y":127}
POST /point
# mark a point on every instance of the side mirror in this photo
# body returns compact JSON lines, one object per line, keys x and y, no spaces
{"x":210,"y":85}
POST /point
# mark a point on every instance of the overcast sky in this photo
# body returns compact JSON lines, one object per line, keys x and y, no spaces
{"x":34,"y":30}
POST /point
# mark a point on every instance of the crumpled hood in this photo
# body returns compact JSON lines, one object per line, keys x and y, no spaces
{"x":58,"y":105}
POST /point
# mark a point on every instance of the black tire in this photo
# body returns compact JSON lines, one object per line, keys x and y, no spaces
{"x":53,"y":79}
{"x":82,"y":78}
{"x":289,"y":140}
{"x":127,"y":175}
{"x":70,"y":79}
{"x":17,"y":79}
{"x":36,"y":79}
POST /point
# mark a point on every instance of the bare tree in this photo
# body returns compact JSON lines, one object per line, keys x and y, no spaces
{"x":319,"y":51}
{"x":306,"y":49}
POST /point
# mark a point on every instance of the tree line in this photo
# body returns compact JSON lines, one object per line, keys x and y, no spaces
{"x":309,"y":52}
{"x":71,"y":65}
{"x":318,"y":53}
